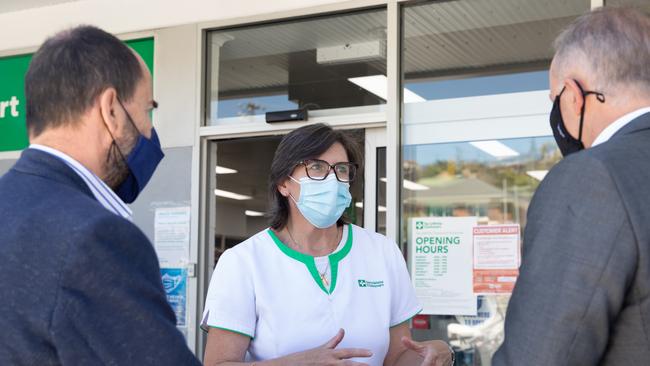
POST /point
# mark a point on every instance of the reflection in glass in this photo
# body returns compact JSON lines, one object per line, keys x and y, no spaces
{"x":470,"y":179}
{"x":320,"y":63}
{"x":479,"y":69}
{"x":478,"y":85}
{"x":466,"y":48}
{"x":493,"y":180}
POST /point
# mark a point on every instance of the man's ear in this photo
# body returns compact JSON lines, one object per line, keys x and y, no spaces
{"x":575,"y":98}
{"x":109,"y":108}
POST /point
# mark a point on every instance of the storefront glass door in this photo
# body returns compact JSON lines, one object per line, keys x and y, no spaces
{"x":482,"y":158}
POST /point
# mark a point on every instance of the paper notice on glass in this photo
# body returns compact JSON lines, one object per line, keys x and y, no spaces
{"x":496,"y":258}
{"x":441,"y":264}
{"x":172,"y":235}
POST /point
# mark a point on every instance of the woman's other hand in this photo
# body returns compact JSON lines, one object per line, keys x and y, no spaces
{"x":435,"y":353}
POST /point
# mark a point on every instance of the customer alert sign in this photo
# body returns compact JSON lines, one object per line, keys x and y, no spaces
{"x":496,"y":258}
{"x":441,"y":264}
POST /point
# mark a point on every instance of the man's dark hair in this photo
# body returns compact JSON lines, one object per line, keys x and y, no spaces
{"x":304,"y":143}
{"x":70,"y":70}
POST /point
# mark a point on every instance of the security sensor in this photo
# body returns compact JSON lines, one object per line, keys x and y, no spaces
{"x":286,"y":116}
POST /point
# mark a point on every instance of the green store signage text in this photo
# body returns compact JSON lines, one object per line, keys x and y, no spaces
{"x":13,"y":132}
{"x":435,"y":244}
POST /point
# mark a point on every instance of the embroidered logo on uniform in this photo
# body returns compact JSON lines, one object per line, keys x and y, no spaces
{"x":366,"y":283}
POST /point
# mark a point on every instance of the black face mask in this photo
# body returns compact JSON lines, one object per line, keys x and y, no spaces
{"x":567,"y":143}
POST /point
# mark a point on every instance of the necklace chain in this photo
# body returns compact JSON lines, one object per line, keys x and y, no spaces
{"x":323,"y":278}
{"x":298,"y":244}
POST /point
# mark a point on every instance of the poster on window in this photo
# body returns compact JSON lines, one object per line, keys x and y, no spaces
{"x":440,"y":252}
{"x":496,"y":258}
{"x":174,"y":282}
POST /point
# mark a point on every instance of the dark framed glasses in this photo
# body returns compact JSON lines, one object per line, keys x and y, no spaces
{"x":317,"y":169}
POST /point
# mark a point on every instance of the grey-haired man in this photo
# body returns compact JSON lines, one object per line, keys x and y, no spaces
{"x":583,"y":297}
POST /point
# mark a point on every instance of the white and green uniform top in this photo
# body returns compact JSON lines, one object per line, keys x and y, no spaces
{"x":273,"y":294}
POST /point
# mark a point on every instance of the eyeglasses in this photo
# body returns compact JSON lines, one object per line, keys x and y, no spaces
{"x":319,"y":170}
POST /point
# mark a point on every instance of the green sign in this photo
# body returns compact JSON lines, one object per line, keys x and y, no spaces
{"x":13,"y":132}
{"x":144,"y":47}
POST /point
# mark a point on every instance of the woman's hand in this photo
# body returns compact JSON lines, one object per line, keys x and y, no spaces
{"x":327,"y":354}
{"x":435,"y":353}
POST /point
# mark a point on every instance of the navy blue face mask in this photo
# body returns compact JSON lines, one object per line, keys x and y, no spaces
{"x":142,"y":162}
{"x":565,"y":142}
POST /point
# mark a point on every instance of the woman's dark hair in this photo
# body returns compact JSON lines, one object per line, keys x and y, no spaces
{"x":304,"y":143}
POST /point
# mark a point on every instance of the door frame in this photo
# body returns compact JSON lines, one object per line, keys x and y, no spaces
{"x":373,"y":122}
{"x":374,"y":139}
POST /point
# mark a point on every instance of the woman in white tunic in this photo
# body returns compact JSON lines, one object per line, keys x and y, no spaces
{"x":313,"y":289}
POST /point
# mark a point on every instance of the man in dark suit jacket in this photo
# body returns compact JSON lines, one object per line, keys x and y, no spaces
{"x":79,"y":283}
{"x":583,"y":296}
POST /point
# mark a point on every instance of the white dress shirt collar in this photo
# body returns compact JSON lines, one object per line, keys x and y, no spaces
{"x":103,"y":193}
{"x":616,"y":126}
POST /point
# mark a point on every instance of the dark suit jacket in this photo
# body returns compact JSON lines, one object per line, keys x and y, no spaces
{"x":583,"y":296}
{"x":78,"y":284}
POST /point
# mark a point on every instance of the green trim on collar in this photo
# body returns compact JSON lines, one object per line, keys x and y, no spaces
{"x":310,"y":263}
{"x":301,"y":257}
{"x":335,"y":258}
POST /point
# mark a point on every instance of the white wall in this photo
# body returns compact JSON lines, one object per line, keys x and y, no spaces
{"x":28,"y":28}
{"x":176,"y":85}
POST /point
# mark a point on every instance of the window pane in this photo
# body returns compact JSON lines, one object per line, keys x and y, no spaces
{"x":459,"y":179}
{"x":320,"y":63}
{"x":476,"y":79}
{"x":475,"y":34}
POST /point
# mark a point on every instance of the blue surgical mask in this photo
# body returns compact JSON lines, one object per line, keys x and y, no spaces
{"x":142,"y":162}
{"x":322,"y":202}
